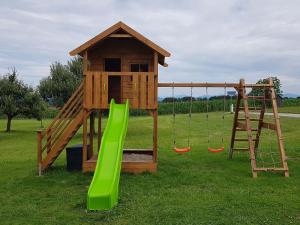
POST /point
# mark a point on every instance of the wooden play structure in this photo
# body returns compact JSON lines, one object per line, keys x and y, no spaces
{"x":244,"y":122}
{"x":122,"y":64}
{"x":119,"y":64}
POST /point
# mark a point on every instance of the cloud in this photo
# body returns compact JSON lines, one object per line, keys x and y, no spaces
{"x":211,"y":41}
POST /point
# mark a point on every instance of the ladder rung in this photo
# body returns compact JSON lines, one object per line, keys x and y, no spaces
{"x":244,"y":139}
{"x":251,"y":119}
{"x":243,"y":129}
{"x":255,"y":97}
{"x":269,"y":169}
{"x":251,"y":108}
{"x":240,"y":149}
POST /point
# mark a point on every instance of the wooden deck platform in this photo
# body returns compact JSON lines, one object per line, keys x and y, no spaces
{"x":134,"y":161}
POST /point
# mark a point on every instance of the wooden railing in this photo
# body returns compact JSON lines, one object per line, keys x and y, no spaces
{"x":139,"y":87}
{"x":50,"y":137}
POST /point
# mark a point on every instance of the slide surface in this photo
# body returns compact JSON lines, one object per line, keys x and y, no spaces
{"x":104,"y":188}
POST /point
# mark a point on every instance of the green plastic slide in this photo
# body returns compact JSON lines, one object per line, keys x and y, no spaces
{"x":103,"y":191}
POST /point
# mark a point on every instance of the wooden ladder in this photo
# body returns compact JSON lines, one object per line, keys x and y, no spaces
{"x":64,"y":126}
{"x":245,"y":124}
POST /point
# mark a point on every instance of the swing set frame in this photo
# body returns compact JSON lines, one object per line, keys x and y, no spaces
{"x":252,"y":142}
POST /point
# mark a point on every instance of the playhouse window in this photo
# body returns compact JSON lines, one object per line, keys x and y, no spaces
{"x":112,"y":64}
{"x":139,"y":67}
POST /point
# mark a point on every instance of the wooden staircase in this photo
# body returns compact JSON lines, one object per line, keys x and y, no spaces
{"x":244,"y":123}
{"x":64,"y":126}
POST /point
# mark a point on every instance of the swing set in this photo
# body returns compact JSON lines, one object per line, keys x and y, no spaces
{"x":188,"y":147}
{"x":243,"y":120}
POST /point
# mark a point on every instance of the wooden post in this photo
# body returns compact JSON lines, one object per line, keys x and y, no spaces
{"x":249,"y":129}
{"x":236,"y":115}
{"x":261,"y":121}
{"x":278,"y":130}
{"x":155,"y":105}
{"x":92,"y":129}
{"x":84,"y":138}
{"x":39,"y":152}
{"x":155,"y":69}
{"x":99,"y":130}
{"x":154,"y":114}
{"x":85,"y":62}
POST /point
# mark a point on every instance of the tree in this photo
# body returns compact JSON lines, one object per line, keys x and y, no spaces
{"x":260,"y":91}
{"x":35,"y":106}
{"x":17,"y":98}
{"x":63,"y":80}
{"x":187,"y":99}
{"x":169,"y":99}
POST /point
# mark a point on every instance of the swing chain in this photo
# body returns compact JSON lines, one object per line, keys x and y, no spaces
{"x":207,"y":107}
{"x":173,"y":98}
{"x":190,"y":114}
{"x":224,"y":110}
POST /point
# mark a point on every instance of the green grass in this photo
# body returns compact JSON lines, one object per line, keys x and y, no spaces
{"x":195,"y":188}
{"x":290,"y":109}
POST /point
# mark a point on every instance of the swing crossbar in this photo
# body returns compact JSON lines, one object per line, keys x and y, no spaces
{"x":212,"y":85}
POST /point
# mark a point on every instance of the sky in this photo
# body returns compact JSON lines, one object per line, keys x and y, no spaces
{"x":209,"y":41}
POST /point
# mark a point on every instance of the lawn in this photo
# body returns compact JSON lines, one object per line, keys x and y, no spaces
{"x":290,"y":109}
{"x":195,"y":188}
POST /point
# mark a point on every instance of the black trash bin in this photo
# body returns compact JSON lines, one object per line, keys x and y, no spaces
{"x":74,"y":157}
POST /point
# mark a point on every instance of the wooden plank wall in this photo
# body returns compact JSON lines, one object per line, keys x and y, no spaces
{"x":139,"y":88}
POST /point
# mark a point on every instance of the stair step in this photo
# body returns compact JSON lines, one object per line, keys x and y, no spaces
{"x":240,"y":149}
{"x":244,"y":139}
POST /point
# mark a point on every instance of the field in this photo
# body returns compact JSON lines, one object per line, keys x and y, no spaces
{"x":195,"y":188}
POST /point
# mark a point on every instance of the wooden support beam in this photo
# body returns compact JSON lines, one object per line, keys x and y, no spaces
{"x":155,"y":69}
{"x":228,"y":85}
{"x":270,"y":126}
{"x":39,"y":152}
{"x":248,"y":128}
{"x":265,"y":169}
{"x":235,"y":123}
{"x":212,"y":85}
{"x":155,"y":135}
{"x":92,"y":131}
{"x":99,"y":130}
{"x":278,"y":130}
{"x":85,"y":63}
{"x":120,"y":36}
{"x":84,"y":137}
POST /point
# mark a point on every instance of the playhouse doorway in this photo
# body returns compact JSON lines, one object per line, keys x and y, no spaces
{"x":114,"y":88}
{"x":114,"y":81}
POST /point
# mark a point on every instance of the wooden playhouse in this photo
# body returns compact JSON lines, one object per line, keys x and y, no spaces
{"x":119,"y":63}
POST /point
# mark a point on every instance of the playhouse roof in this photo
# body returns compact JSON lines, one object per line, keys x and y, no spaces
{"x":113,"y":30}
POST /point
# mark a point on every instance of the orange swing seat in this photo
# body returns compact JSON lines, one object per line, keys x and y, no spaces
{"x":215,"y":150}
{"x":182,"y":150}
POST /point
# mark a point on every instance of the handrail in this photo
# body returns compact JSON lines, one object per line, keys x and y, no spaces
{"x":80,"y":88}
{"x":67,"y":112}
{"x":62,"y":120}
{"x":60,"y":132}
{"x":65,"y":123}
